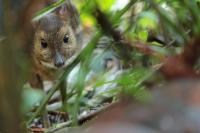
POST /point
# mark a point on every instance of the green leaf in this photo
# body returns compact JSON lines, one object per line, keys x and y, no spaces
{"x":30,"y":97}
{"x":106,"y":4}
{"x":47,"y":10}
{"x":87,"y":20}
{"x":148,"y":20}
{"x":143,"y":35}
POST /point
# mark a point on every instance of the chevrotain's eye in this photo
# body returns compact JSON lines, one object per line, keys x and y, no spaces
{"x":66,"y":39}
{"x":44,"y":43}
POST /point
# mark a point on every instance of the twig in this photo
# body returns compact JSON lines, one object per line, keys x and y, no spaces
{"x":37,"y":130}
{"x":82,"y":119}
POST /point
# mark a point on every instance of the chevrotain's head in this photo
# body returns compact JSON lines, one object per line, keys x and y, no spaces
{"x":54,"y":40}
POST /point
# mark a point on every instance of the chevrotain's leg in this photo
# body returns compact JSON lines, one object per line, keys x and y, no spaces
{"x":45,"y":119}
{"x":37,"y":82}
{"x":63,"y":93}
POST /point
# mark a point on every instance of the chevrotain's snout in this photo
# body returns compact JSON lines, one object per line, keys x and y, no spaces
{"x":59,"y":60}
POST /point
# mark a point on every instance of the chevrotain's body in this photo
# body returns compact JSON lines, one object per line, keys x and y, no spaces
{"x":55,"y":41}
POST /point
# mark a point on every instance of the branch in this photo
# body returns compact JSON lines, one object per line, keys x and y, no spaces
{"x":83,"y":119}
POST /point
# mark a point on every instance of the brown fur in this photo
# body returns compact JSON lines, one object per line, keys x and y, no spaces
{"x":52,"y":28}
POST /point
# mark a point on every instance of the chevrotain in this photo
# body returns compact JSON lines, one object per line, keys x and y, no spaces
{"x":56,"y":40}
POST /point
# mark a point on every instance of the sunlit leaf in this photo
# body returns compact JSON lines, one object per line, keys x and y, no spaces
{"x":148,"y":20}
{"x":143,"y":35}
{"x":105,"y":5}
{"x":87,"y":20}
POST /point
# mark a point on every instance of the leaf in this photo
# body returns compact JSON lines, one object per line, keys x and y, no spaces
{"x":148,"y":20}
{"x":47,"y":10}
{"x":30,"y":97}
{"x":106,"y":4}
{"x":87,"y":20}
{"x":143,"y":35}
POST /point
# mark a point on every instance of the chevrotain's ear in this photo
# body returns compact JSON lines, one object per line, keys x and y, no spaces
{"x":69,"y":13}
{"x":44,"y":3}
{"x":35,"y":24}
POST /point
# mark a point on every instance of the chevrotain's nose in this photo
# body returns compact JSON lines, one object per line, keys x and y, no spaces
{"x":59,"y":60}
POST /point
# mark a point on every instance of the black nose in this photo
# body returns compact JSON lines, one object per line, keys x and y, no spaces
{"x":59,"y":63}
{"x":59,"y":60}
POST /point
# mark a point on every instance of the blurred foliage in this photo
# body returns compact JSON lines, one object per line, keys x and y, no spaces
{"x":164,"y":26}
{"x":30,"y":97}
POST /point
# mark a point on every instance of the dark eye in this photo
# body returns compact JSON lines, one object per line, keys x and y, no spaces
{"x":44,"y":43}
{"x":66,"y":39}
